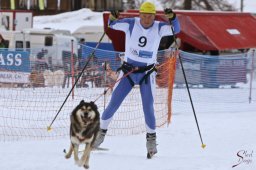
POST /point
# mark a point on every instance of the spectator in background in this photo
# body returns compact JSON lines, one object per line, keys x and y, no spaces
{"x":81,"y":43}
{"x":91,"y":72}
{"x":40,"y":63}
{"x":68,"y":66}
{"x":81,"y":62}
{"x":81,"y":57}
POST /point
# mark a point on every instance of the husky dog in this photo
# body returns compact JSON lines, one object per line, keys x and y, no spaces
{"x":84,"y":127}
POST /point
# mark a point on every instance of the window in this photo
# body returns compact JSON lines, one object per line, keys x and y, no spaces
{"x":48,"y":41}
{"x":19,"y":44}
{"x":27,"y":44}
{"x":6,"y":42}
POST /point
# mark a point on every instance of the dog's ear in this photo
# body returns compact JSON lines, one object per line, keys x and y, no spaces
{"x":94,"y":105}
{"x":81,"y":102}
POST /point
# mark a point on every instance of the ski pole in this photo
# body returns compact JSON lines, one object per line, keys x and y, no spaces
{"x":105,"y":91}
{"x":186,"y":82}
{"x":105,"y":80}
{"x":80,"y":74}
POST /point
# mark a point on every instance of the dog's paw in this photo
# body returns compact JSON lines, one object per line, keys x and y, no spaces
{"x":67,"y":156}
{"x":86,"y":166}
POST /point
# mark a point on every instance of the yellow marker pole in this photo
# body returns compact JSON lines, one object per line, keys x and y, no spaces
{"x":49,"y":128}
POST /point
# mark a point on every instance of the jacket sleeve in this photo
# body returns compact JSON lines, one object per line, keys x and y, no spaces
{"x":166,"y":29}
{"x":176,"y":25}
{"x":122,"y":24}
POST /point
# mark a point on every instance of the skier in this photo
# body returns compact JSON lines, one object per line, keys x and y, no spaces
{"x":143,"y":35}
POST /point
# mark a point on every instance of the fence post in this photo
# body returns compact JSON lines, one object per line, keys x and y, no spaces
{"x":251,"y":79}
{"x":72,"y":67}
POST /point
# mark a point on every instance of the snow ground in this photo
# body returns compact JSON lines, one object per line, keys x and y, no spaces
{"x":225,"y":133}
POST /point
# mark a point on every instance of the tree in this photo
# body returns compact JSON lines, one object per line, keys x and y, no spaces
{"x":211,"y":5}
{"x":132,"y":4}
{"x":135,"y":4}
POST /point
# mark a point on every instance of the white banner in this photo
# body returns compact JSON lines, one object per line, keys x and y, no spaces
{"x":14,"y":77}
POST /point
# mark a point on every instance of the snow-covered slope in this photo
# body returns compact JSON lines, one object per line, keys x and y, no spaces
{"x":72,"y":21}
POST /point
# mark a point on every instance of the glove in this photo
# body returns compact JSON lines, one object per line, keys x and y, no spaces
{"x":113,"y":15}
{"x":169,"y":14}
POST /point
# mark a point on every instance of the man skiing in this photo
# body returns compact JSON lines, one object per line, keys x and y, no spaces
{"x":142,"y":38}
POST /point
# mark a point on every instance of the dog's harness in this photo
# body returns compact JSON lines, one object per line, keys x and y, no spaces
{"x":126,"y":68}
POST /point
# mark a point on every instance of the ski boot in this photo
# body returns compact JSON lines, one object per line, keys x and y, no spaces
{"x":151,"y":145}
{"x":100,"y":138}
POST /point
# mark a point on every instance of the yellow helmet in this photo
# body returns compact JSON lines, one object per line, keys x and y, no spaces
{"x":147,"y":7}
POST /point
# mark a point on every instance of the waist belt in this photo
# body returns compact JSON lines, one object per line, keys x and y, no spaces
{"x":126,"y":67}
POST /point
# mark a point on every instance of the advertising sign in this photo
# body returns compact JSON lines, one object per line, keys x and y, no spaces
{"x":14,"y":66}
